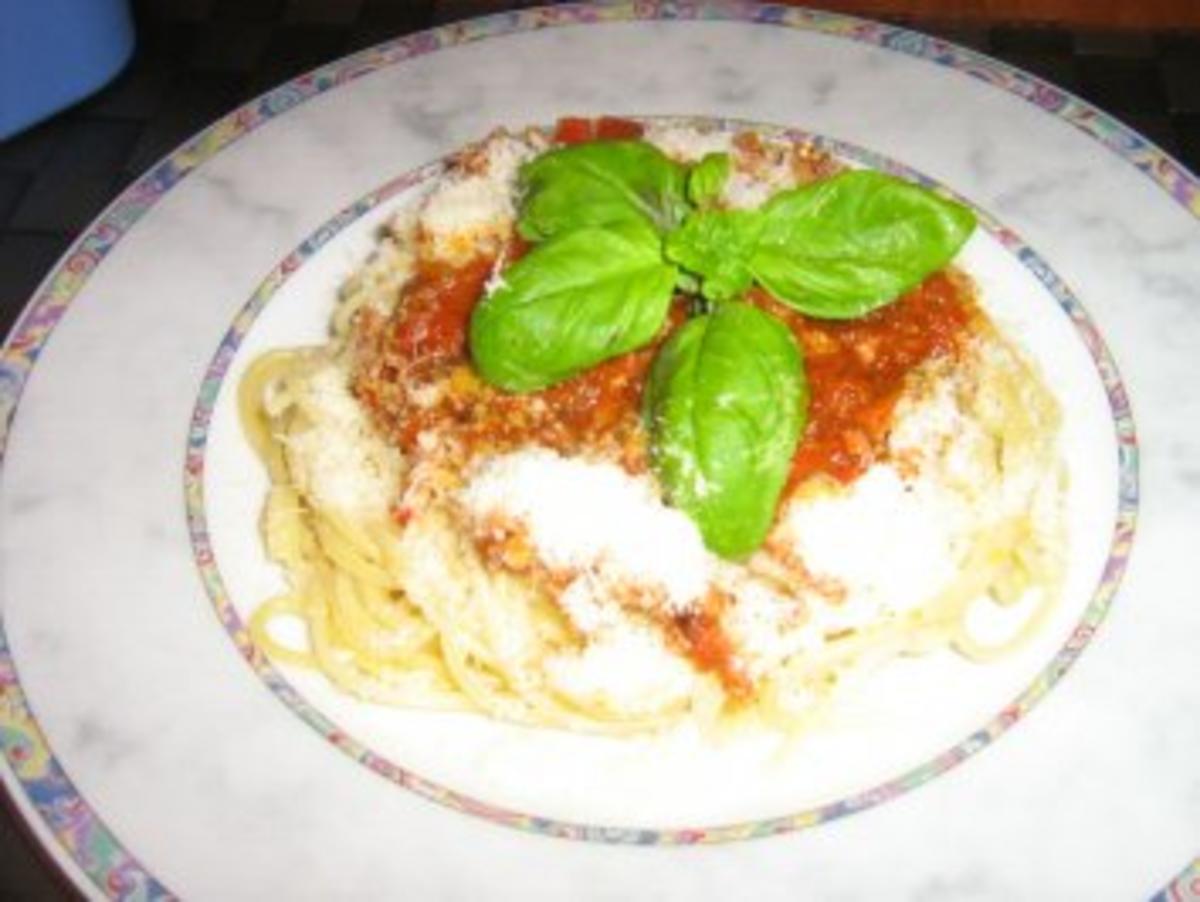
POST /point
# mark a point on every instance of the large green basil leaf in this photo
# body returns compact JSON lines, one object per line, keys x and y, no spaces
{"x":717,"y":245}
{"x":841,"y":247}
{"x":599,"y":183}
{"x":570,"y":303}
{"x":726,"y":404}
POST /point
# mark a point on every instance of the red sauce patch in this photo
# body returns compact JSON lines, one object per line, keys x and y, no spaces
{"x":421,"y":351}
{"x":857,"y":370}
{"x":432,"y":322}
{"x":577,"y":130}
{"x":706,"y":643}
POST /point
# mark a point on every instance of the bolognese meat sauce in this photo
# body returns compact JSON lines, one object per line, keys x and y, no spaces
{"x":857,"y":370}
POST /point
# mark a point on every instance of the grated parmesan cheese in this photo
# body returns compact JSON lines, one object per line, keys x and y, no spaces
{"x":891,"y":543}
{"x":765,"y":626}
{"x":340,"y":461}
{"x":754,"y":178}
{"x":472,"y":208}
{"x":627,"y":669}
{"x":932,"y":433}
{"x":593,"y":516}
{"x":686,"y":143}
{"x":587,"y":606}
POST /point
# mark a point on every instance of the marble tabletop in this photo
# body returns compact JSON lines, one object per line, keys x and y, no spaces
{"x":150,"y":758}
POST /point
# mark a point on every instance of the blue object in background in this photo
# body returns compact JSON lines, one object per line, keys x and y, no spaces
{"x":55,"y":52}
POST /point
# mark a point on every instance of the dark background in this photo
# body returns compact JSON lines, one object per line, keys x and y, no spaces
{"x":198,"y":59}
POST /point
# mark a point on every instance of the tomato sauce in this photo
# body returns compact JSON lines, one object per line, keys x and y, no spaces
{"x":437,"y":309}
{"x":576,"y":130}
{"x":857,"y":370}
{"x":414,"y":375}
{"x":710,"y":648}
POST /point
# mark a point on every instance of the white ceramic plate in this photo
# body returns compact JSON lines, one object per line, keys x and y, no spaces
{"x":143,"y":747}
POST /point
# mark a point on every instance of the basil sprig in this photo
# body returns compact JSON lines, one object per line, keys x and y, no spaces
{"x":836,"y":249}
{"x":726,"y":403}
{"x":715,"y":247}
{"x":618,"y":228}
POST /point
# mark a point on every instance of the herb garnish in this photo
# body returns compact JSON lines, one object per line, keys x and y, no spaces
{"x":619,"y":228}
{"x":725,"y":403}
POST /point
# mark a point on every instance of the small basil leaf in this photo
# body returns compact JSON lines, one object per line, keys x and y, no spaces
{"x":726,"y":404}
{"x":841,"y":247}
{"x":707,"y":178}
{"x":717,"y":246}
{"x":598,"y":183}
{"x":570,"y":303}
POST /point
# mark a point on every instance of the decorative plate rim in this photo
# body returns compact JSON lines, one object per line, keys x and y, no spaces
{"x":84,"y":840}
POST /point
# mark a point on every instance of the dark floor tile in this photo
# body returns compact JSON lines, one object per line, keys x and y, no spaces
{"x":1178,"y":44}
{"x":58,"y":202}
{"x":165,"y":44}
{"x":296,"y":49}
{"x":12,"y":186}
{"x":363,"y":36}
{"x":1122,"y":85}
{"x":1114,"y":42}
{"x":1188,"y":130}
{"x":966,"y":34}
{"x":137,"y":93}
{"x":175,"y":10}
{"x":323,"y":12}
{"x":263,"y":12}
{"x":193,"y":104}
{"x":30,"y":149}
{"x":25,"y":260}
{"x":306,"y":46}
{"x":1182,"y":80}
{"x":25,"y":873}
{"x":457,"y":10}
{"x":92,"y":146}
{"x":1038,"y":39}
{"x":1055,"y":68}
{"x":403,"y":17}
{"x":229,"y":46}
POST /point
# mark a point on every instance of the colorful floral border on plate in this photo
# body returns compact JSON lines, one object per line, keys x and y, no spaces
{"x":82,"y":835}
